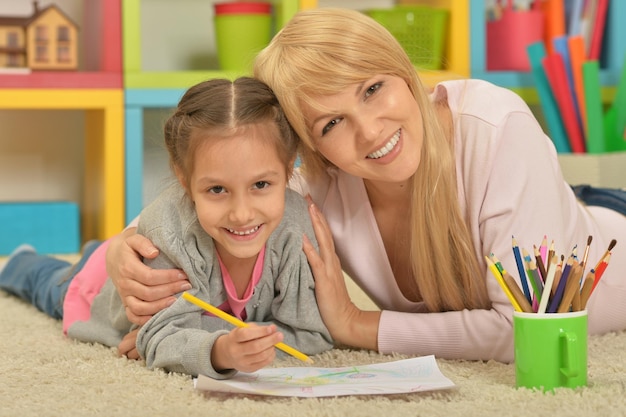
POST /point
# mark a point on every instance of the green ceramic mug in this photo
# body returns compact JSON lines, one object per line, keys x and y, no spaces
{"x":550,"y":349}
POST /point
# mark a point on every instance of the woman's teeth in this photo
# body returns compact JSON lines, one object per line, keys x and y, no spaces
{"x":245,"y":232}
{"x":387,"y":148}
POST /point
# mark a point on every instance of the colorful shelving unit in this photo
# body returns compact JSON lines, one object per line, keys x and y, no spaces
{"x":98,"y":91}
{"x":115,"y":88}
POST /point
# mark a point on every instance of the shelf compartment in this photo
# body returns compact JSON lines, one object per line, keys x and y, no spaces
{"x":102,"y":38}
{"x":612,"y":60}
{"x":137,"y":76}
{"x":102,"y":208}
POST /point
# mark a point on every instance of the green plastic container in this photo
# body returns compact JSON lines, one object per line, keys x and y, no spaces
{"x":421,"y":30}
{"x":242,"y":29}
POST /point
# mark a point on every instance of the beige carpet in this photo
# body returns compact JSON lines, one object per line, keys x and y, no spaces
{"x":44,"y":374}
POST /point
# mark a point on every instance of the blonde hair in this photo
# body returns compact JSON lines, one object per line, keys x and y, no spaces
{"x":323,"y":51}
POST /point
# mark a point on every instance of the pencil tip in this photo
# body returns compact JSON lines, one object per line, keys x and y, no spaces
{"x":612,"y":244}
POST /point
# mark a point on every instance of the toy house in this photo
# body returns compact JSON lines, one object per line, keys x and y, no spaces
{"x":46,"y":40}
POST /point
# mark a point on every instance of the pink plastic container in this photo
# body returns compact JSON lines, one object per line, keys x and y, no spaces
{"x":509,"y":35}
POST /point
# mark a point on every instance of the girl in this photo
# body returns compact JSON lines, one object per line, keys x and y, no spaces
{"x":230,"y":224}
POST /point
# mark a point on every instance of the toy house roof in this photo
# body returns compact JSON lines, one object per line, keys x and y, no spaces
{"x":24,"y":21}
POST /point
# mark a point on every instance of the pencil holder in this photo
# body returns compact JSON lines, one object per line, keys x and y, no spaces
{"x":550,"y":350}
{"x":421,"y":30}
{"x":242,"y":29}
{"x":509,"y":31}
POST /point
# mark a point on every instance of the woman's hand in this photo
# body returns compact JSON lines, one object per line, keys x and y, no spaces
{"x":246,"y":349}
{"x":347,"y":324}
{"x":144,"y":291}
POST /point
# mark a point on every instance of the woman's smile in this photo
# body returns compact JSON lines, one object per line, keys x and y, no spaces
{"x":388,"y":147}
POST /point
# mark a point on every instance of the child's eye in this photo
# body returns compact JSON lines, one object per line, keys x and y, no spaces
{"x":218,"y":189}
{"x":329,"y":126}
{"x":373,"y":88}
{"x":261,"y":185}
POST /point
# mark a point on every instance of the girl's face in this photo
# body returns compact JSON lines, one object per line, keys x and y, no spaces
{"x":238,"y":187}
{"x":371,"y":130}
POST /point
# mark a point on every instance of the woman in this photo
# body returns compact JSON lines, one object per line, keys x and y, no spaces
{"x":415,"y":188}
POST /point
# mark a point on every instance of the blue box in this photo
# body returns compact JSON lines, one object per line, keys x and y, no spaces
{"x":51,"y":227}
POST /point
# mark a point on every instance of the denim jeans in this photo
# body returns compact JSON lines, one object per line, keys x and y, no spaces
{"x":42,"y":280}
{"x":612,"y":198}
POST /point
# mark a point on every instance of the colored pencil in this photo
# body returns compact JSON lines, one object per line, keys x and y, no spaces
{"x":583,"y":263}
{"x":238,"y":323}
{"x":585,"y":292}
{"x":609,"y":249}
{"x":512,"y":285}
{"x":571,"y":289}
{"x":560,"y":290}
{"x":600,"y":270}
{"x":533,"y":274}
{"x":521,"y":271}
{"x":543,"y":250}
{"x":551,"y":253}
{"x":540,"y":264}
{"x":498,"y":276}
{"x":557,"y":276}
{"x":547,"y":289}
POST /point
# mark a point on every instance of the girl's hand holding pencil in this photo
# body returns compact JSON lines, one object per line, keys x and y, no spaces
{"x":557,"y":286}
{"x":240,"y":324}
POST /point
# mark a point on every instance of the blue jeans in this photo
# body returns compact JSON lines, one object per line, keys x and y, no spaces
{"x":612,"y":198}
{"x":42,"y":280}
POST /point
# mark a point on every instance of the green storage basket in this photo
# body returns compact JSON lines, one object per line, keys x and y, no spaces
{"x":421,"y":30}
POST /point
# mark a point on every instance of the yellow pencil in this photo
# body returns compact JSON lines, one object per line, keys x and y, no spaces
{"x":505,"y":288}
{"x":238,"y":323}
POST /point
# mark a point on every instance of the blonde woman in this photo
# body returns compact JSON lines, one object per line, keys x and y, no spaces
{"x":410,"y":189}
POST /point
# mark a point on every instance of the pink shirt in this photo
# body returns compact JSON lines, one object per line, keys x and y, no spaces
{"x":84,"y":288}
{"x":233,"y":304}
{"x":509,"y":183}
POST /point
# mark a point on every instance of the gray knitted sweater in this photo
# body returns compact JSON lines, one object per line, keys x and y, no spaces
{"x":180,"y":338}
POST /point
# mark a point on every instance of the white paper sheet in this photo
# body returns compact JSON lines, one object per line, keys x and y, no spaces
{"x":403,"y":376}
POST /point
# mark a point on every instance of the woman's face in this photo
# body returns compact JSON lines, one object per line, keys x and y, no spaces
{"x":372,"y":130}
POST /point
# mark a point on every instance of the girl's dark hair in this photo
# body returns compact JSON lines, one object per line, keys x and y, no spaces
{"x":217,"y":109}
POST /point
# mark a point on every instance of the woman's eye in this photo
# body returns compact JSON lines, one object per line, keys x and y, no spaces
{"x":218,"y":189}
{"x":372,"y":89}
{"x":329,"y":126}
{"x":261,"y":184}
